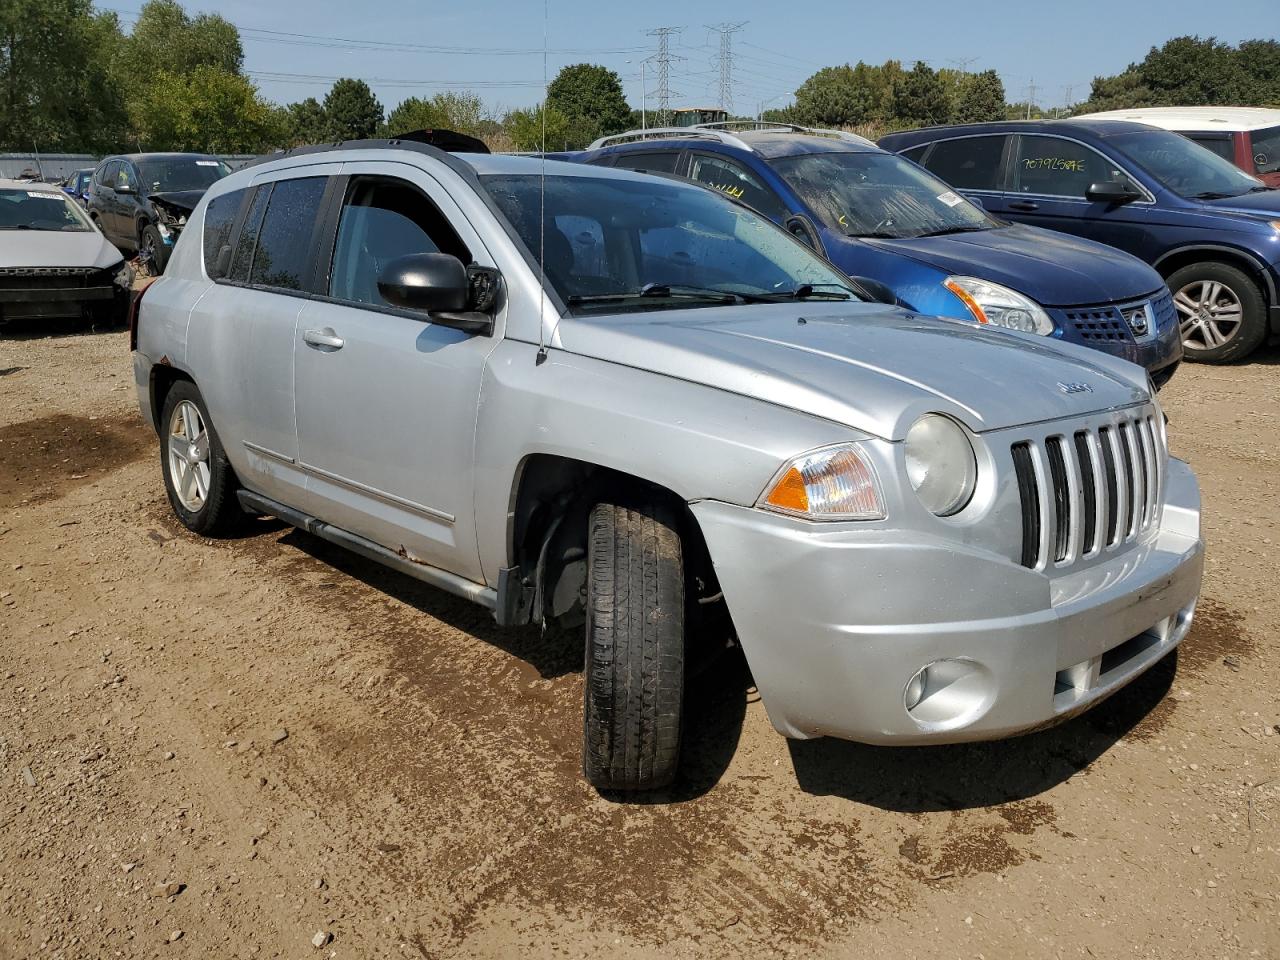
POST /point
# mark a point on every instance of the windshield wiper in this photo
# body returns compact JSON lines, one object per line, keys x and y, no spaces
{"x":670,"y":291}
{"x":947,"y":231}
{"x":1214,"y":195}
{"x":876,"y":236}
{"x":1263,"y":188}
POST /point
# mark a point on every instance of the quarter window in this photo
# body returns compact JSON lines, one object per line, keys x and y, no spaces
{"x":283,"y":257}
{"x":382,"y":220}
{"x":970,"y":163}
{"x":219,"y":217}
{"x":732,"y":180}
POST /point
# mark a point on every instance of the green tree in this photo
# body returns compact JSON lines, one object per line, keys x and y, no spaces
{"x":353,"y":112}
{"x":166,"y":40}
{"x":1260,"y":62}
{"x":1125,"y":89}
{"x":1191,"y":70}
{"x":836,"y":97}
{"x":55,"y":89}
{"x":306,"y":122}
{"x":920,"y":98}
{"x":461,"y":112}
{"x":590,"y":98}
{"x":981,"y":98}
{"x":525,"y":129}
{"x":211,"y":111}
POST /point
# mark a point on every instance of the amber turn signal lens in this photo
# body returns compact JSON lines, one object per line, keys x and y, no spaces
{"x":830,"y":483}
{"x":789,"y":493}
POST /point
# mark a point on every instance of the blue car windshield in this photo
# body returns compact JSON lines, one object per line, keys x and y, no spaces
{"x":1186,"y":168}
{"x":613,"y":244}
{"x":879,"y":195}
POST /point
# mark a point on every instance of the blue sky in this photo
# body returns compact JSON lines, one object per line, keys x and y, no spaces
{"x":417,"y":48}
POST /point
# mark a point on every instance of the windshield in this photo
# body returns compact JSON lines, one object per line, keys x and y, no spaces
{"x":172,"y":174}
{"x":1266,"y":149}
{"x":642,"y":244}
{"x":879,"y":195}
{"x":1186,"y":168}
{"x":40,"y":210}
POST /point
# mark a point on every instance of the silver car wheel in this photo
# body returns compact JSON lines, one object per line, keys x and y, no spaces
{"x":1209,"y":314}
{"x":189,"y":455}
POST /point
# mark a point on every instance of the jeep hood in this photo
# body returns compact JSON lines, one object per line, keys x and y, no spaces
{"x":1053,"y":269}
{"x":873,"y":368}
{"x":56,"y":248}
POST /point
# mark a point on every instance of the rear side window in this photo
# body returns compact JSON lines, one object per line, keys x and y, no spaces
{"x":734,"y":181}
{"x":657,"y":161}
{"x":219,"y":218}
{"x":969,"y":163}
{"x":242,"y":249}
{"x":283,"y":258}
{"x":1222,"y":146}
{"x":382,"y":220}
{"x":1058,"y":168}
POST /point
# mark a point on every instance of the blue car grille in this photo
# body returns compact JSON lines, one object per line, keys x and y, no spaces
{"x":1103,"y":325}
{"x":1166,"y":313}
{"x":1123,"y":323}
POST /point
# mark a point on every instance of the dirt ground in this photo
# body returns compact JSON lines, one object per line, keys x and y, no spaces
{"x":247,"y":748}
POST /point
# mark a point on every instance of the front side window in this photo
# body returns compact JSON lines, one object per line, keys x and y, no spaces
{"x":969,"y":163}
{"x":172,"y":174}
{"x":383,"y":220}
{"x":1054,"y":167}
{"x":41,"y":210}
{"x":219,"y":217}
{"x":106,"y":174}
{"x":124,"y":176}
{"x":734,"y":181}
{"x":625,"y":244}
{"x":1266,"y":149}
{"x":283,"y":258}
{"x":879,"y":195}
{"x":1186,"y":168}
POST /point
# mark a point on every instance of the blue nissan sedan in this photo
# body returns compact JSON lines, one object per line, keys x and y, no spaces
{"x":1209,"y":228}
{"x":878,"y":216}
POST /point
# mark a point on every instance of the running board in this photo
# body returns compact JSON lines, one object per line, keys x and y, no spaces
{"x":459,"y":586}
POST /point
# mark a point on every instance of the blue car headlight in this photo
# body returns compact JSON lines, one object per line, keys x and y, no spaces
{"x":999,"y":306}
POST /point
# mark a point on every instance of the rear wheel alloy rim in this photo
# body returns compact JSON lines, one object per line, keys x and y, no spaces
{"x":189,"y":455}
{"x":1209,"y":314}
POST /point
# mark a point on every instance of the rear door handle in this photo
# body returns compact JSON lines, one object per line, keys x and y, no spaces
{"x":324,"y":339}
{"x":1023,"y":205}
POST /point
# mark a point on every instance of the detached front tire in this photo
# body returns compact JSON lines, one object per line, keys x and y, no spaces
{"x":197,"y":476}
{"x":634,"y":689}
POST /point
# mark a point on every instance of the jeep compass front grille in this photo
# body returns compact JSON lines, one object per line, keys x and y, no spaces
{"x":1085,"y":491}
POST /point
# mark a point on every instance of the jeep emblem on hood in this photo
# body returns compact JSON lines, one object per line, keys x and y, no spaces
{"x":1074,"y":387}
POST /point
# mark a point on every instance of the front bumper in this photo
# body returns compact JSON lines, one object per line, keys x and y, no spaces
{"x":1104,"y":328}
{"x":835,"y":621}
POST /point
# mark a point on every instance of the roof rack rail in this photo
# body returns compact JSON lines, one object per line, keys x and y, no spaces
{"x":671,"y":133}
{"x":766,"y":126}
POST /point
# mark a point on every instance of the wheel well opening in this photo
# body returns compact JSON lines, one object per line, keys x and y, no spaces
{"x":163,"y":377}
{"x":1176,"y":261}
{"x":547,"y":538}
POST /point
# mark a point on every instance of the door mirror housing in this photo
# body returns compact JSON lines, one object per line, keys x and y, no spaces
{"x":439,"y":285}
{"x":124,"y":188}
{"x":800,"y":228}
{"x":1112,"y":191}
{"x":879,"y":292}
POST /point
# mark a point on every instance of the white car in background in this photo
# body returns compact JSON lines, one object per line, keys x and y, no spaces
{"x":54,"y":263}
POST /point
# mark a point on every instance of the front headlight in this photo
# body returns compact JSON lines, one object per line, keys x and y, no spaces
{"x":832,"y":483}
{"x":941,"y":465}
{"x":999,"y":306}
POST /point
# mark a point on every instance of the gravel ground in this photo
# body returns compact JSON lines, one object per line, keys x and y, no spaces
{"x":265,"y":747}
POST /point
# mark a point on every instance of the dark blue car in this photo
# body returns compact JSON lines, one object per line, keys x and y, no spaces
{"x":877,"y":216}
{"x":1210,"y":229}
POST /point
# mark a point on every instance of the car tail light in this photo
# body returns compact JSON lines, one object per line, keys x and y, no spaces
{"x":135,"y":305}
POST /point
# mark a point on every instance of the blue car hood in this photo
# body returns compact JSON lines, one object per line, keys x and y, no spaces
{"x":1052,"y":268}
{"x":1260,"y":204}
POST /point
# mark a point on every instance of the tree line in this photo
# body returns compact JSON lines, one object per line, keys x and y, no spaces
{"x":72,"y":80}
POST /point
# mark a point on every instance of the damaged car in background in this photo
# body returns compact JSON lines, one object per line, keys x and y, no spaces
{"x":53,"y":262}
{"x":141,"y":201}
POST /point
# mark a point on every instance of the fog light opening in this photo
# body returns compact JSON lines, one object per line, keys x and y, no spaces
{"x":948,"y":694}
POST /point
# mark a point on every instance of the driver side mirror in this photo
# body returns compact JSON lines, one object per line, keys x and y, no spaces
{"x":1112,"y":191}
{"x":439,"y":285}
{"x":800,"y":228}
{"x":124,"y":188}
{"x":879,"y":292}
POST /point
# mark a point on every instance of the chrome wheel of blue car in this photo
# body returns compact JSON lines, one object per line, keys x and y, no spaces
{"x":1221,"y":312}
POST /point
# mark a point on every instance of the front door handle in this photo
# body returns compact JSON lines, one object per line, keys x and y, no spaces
{"x":1026,"y":205}
{"x":324,"y":339}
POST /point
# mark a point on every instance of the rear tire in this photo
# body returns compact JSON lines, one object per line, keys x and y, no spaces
{"x":1221,"y":312}
{"x":197,"y":476}
{"x":634,"y":689}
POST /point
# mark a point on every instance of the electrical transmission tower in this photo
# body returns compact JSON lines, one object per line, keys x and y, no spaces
{"x":664,"y":58}
{"x":724,"y":61}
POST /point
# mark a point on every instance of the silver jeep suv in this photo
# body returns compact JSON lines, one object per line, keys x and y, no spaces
{"x":593,"y":399}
